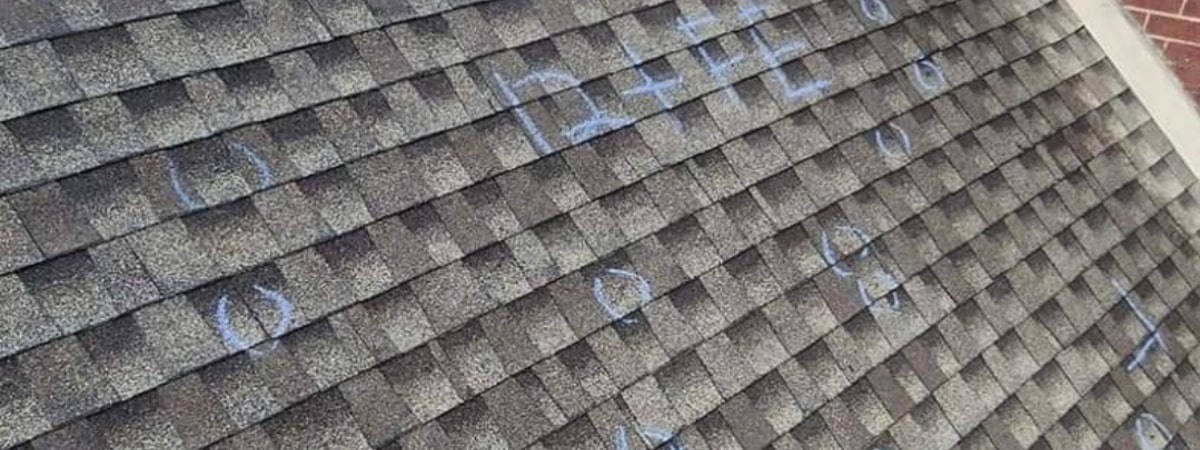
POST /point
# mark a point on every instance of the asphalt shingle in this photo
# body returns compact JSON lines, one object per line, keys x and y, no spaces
{"x":283,"y":224}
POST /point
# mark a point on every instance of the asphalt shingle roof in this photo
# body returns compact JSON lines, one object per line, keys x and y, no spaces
{"x":541,"y":224}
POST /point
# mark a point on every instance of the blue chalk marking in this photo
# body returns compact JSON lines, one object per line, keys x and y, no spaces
{"x":234,"y":339}
{"x":905,"y":143}
{"x":654,"y":433}
{"x":1140,"y":424}
{"x":282,"y":304}
{"x":1152,"y":340}
{"x":876,"y":10}
{"x":545,"y":77}
{"x":922,"y":64}
{"x":649,"y":84}
{"x":622,"y":439}
{"x":186,"y":199}
{"x":265,"y":177}
{"x":601,"y":295}
{"x":657,"y":432}
{"x":649,"y":435}
{"x":1139,"y":356}
{"x":531,"y":128}
{"x":771,"y":56}
{"x":715,"y":68}
{"x":894,"y":301}
{"x":806,"y":90}
{"x":830,"y":254}
{"x":598,"y":122}
{"x":862,"y":236}
{"x":831,"y":257}
{"x":750,"y":11}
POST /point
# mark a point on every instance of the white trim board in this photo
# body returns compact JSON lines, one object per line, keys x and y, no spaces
{"x":1139,"y":61}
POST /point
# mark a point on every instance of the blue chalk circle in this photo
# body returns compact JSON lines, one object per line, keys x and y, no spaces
{"x":265,"y":177}
{"x":1143,"y":425}
{"x":931,"y":81}
{"x":234,"y":339}
{"x":188,"y":200}
{"x":600,"y":294}
{"x":832,"y":257}
{"x":901,"y":135}
{"x":715,"y":68}
{"x":1152,"y":340}
{"x":182,"y":193}
{"x":875,"y":10}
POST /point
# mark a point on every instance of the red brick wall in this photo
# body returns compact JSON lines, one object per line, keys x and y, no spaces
{"x":1175,"y":26}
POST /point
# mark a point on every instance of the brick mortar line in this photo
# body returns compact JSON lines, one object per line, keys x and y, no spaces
{"x":1175,"y":41}
{"x":1154,"y":12}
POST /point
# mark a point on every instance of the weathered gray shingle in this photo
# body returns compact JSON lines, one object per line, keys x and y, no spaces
{"x":313,"y":224}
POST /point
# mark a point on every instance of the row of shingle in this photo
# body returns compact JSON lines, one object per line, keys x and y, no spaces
{"x":150,"y":257}
{"x":79,"y":158}
{"x":162,"y":49}
{"x":860,"y":365}
{"x":1059,"y":328}
{"x":101,"y":316}
{"x":124,"y":209}
{"x":1103,"y":347}
{"x":298,"y":144}
{"x":508,"y":427}
{"x":744,"y":351}
{"x":28,"y":21}
{"x":999,"y":288}
{"x":105,"y":54}
{"x":118,"y":224}
{"x":1164,"y":405}
{"x":474,"y":412}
